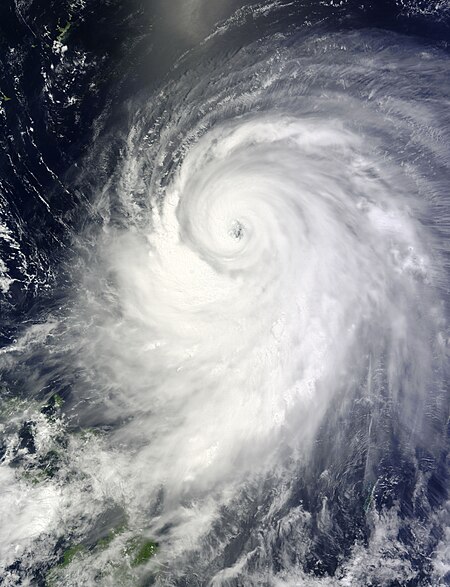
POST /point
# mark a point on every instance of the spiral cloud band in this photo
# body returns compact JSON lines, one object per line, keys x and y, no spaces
{"x":261,"y":325}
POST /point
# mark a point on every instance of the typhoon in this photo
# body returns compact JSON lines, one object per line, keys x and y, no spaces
{"x":241,"y":380}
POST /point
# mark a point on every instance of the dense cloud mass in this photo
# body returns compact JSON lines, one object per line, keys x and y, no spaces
{"x":251,"y":353}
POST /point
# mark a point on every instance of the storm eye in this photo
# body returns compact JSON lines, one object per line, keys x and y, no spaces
{"x":236,"y":230}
